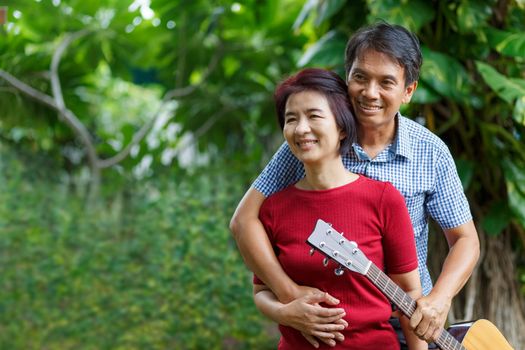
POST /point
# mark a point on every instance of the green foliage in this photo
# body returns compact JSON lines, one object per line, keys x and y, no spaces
{"x":411,"y":14}
{"x":222,"y":60}
{"x":153,"y":267}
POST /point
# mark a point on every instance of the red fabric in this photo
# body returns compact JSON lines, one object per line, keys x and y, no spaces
{"x":369,"y":212}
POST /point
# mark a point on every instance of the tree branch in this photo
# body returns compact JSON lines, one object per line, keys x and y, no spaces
{"x":137,"y":137}
{"x":69,"y":117}
{"x":180,"y":92}
{"x":55,"y":62}
{"x":28,"y":90}
{"x":168,"y":97}
{"x":58,"y":104}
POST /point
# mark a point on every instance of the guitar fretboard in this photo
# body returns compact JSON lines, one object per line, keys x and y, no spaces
{"x":406,"y":304}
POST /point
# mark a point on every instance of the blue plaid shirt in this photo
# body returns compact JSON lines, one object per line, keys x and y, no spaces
{"x":417,"y":163}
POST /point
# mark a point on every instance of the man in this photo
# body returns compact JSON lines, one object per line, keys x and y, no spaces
{"x":382,"y":68}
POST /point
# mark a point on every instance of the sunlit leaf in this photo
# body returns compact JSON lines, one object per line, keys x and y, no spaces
{"x":326,"y":9}
{"x":519,"y":111}
{"x":445,"y":75}
{"x":472,"y":15}
{"x":327,"y":52}
{"x":507,"y":43}
{"x":506,"y":88}
{"x":305,"y":12}
{"x":411,"y":14}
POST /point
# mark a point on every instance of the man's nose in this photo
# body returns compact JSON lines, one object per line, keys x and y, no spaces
{"x":371,"y":90}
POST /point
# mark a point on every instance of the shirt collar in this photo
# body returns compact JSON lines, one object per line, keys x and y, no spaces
{"x":402,"y":145}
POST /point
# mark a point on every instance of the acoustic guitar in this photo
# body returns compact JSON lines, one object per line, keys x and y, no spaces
{"x":478,"y":335}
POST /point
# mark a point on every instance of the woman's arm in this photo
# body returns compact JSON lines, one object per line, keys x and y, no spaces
{"x":411,"y":284}
{"x":304,"y":314}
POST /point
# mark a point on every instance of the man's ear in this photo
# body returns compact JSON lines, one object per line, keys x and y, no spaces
{"x":409,"y":91}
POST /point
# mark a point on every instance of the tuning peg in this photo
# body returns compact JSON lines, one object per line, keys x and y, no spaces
{"x":339,"y":271}
{"x":312,"y":251}
{"x":325,"y":262}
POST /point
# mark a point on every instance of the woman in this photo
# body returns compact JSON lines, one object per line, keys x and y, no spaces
{"x":315,"y":115}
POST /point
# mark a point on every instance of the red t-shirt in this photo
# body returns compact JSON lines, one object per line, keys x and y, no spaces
{"x":369,"y":212}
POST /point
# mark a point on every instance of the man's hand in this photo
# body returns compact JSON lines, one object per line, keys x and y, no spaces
{"x":430,"y":316}
{"x":316,"y":323}
{"x":431,"y":312}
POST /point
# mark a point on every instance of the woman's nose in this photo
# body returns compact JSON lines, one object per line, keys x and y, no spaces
{"x":302,"y":126}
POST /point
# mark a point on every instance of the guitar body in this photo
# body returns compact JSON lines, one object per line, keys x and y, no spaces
{"x":480,"y":335}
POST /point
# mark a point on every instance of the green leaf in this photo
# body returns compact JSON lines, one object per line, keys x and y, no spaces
{"x":327,"y":52}
{"x":472,"y":15}
{"x":445,"y":75}
{"x":465,"y":171}
{"x":519,"y":111}
{"x":326,"y":9}
{"x":424,"y":94}
{"x":507,"y":43}
{"x":506,"y":88}
{"x":515,"y":181}
{"x":412,"y":14}
{"x":497,"y":218}
{"x":305,"y":11}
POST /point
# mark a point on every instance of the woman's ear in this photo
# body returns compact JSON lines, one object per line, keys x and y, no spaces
{"x":342,"y":135}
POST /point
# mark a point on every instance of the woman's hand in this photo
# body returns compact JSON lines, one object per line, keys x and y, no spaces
{"x":315,"y":322}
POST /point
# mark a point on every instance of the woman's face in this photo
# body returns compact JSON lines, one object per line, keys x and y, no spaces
{"x":310,"y":127}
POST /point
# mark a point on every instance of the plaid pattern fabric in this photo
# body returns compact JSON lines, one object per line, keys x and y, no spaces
{"x":417,"y":163}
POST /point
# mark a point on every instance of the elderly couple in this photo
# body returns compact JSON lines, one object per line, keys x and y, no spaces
{"x":351,"y":159}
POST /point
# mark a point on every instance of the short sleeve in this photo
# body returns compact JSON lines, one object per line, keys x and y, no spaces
{"x":398,"y":235}
{"x":282,"y":171}
{"x":447,"y":203}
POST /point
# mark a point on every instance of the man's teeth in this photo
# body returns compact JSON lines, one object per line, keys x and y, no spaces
{"x":369,"y":107}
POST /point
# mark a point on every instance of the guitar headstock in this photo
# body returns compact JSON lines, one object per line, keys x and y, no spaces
{"x":334,"y":246}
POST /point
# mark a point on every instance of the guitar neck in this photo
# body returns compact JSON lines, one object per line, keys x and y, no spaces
{"x":406,"y":304}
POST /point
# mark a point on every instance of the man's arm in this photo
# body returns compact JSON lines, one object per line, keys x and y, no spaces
{"x":432,"y":310}
{"x":256,"y":249}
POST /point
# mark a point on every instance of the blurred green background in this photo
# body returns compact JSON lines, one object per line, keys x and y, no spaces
{"x":129,"y":131}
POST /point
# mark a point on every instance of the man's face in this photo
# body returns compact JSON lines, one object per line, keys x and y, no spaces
{"x":376,"y":86}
